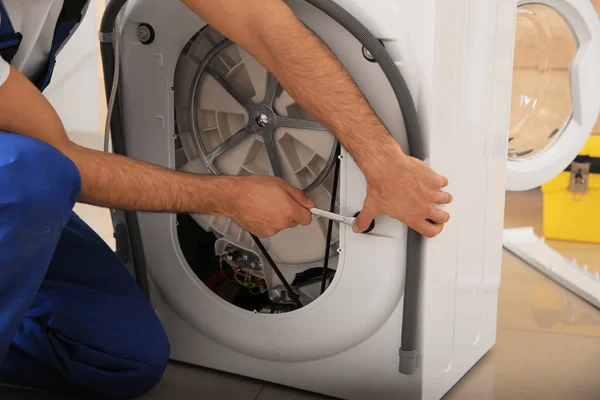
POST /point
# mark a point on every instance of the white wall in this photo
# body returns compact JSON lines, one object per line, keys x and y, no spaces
{"x":75,"y":88}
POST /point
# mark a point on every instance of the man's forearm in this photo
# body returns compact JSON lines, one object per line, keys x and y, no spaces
{"x":108,"y":180}
{"x":304,"y":66}
{"x":117,"y":182}
{"x":315,"y":78}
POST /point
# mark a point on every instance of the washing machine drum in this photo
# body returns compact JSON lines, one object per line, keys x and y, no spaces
{"x":232,"y":117}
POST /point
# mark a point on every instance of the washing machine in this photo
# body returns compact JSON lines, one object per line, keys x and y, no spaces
{"x":385,"y":315}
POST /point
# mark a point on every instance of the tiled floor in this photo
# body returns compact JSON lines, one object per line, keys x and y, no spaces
{"x":548,"y":343}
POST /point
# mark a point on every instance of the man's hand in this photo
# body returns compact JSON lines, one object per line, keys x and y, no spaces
{"x":264,"y":205}
{"x":406,"y":189}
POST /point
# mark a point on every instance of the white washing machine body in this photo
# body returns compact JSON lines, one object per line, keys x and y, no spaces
{"x":457,"y":59}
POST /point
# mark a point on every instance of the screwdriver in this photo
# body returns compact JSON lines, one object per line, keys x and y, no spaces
{"x":340,"y":218}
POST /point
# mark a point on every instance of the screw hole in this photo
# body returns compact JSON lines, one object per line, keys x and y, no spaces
{"x":367,"y":54}
{"x":145,"y":34}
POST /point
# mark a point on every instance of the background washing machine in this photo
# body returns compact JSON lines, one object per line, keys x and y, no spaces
{"x":400,"y":316}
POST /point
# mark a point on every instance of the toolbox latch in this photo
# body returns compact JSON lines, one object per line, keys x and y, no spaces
{"x":580,"y":174}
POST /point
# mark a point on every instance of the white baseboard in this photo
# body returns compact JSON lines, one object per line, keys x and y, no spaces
{"x":534,"y":251}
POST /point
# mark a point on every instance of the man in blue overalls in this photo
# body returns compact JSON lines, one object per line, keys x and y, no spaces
{"x":71,"y":317}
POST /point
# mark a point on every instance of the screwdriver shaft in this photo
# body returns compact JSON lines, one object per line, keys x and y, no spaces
{"x":332,"y":216}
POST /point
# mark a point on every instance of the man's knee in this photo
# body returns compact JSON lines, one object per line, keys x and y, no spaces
{"x":156,"y":358}
{"x":122,"y":349}
{"x":142,"y":375}
{"x":39,"y":185}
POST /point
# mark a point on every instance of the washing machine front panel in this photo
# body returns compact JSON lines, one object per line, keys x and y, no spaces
{"x":556,"y":89}
{"x":369,"y":281}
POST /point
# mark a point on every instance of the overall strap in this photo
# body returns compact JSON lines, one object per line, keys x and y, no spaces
{"x":9,"y":39}
{"x":68,"y":21}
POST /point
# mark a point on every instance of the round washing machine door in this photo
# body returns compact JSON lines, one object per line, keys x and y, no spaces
{"x":219,"y":92}
{"x":556,"y":89}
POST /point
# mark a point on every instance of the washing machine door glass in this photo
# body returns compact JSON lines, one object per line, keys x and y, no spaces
{"x":556,"y":88}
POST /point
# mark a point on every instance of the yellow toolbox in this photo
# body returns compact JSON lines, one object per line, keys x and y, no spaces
{"x":572,"y":199}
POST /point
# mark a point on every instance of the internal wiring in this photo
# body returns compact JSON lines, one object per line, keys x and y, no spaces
{"x":113,"y":92}
{"x":244,"y":278}
{"x":291,"y":293}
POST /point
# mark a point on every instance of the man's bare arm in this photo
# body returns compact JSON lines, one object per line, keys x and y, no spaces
{"x":398,"y":185}
{"x":259,"y":204}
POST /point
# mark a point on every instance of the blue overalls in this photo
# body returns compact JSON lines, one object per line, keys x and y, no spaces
{"x":72,"y":319}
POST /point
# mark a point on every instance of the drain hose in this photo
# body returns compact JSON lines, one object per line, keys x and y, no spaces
{"x":408,"y":351}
